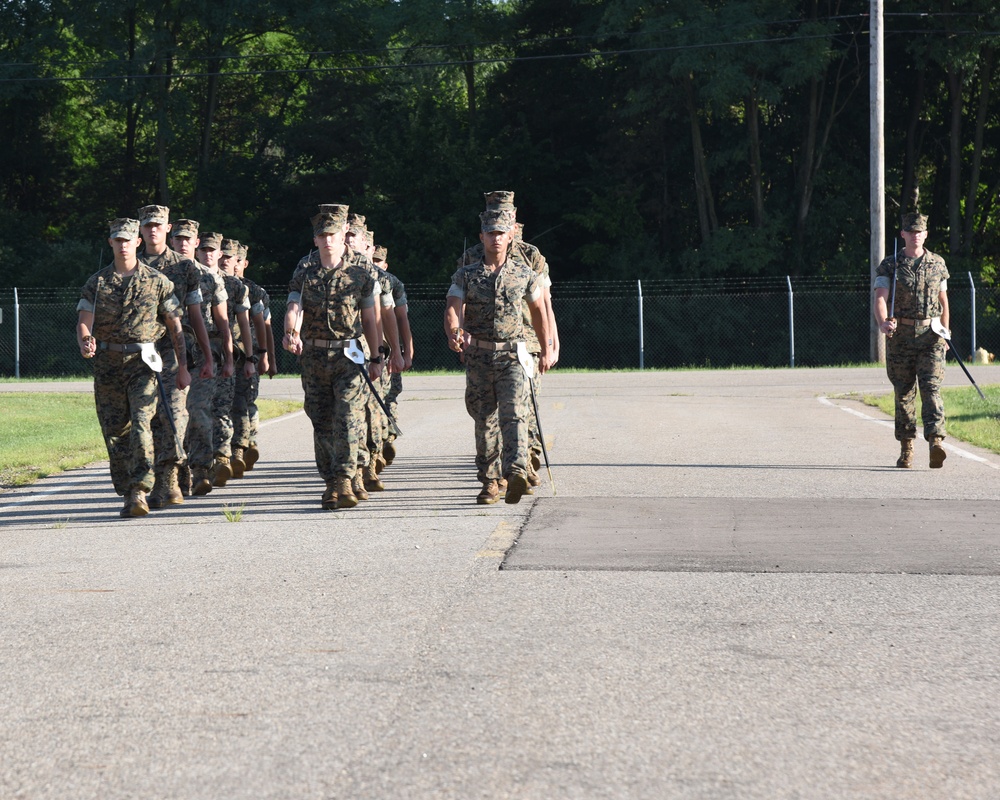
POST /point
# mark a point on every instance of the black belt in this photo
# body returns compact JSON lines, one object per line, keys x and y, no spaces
{"x":921,"y":322}
{"x":133,"y":347}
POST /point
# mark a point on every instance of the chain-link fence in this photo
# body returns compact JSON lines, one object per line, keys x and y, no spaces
{"x":770,"y":322}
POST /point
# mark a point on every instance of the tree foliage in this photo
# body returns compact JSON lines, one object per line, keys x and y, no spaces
{"x":643,"y":140}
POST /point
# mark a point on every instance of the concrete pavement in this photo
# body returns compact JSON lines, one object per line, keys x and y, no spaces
{"x":422,"y":646}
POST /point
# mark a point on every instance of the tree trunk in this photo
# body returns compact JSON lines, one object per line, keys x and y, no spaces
{"x":131,"y":116}
{"x":756,"y":169}
{"x":162,"y":134}
{"x":985,"y":81}
{"x":955,"y":160}
{"x":703,"y":189}
{"x":469,"y":68}
{"x":211,"y":99}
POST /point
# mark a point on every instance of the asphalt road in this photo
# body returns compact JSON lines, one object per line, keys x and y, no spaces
{"x":732,"y":594}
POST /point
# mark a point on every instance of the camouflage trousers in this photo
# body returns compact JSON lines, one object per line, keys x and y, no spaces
{"x":201,"y":423}
{"x":534,"y":438}
{"x":125,"y":394}
{"x":244,"y":412}
{"x":915,"y":357}
{"x":496,"y":386}
{"x":334,"y":403}
{"x":222,"y":422}
{"x":392,"y":397}
{"x":168,"y":440}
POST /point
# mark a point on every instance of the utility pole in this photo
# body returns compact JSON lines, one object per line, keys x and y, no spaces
{"x":876,"y":79}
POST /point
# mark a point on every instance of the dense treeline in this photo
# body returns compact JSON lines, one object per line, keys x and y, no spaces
{"x":689,"y":138}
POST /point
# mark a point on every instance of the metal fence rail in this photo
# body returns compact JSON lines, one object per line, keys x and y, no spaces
{"x":770,"y":322}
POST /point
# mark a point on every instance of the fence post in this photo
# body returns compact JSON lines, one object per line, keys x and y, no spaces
{"x":791,"y":324}
{"x":972,"y":313}
{"x":17,"y":336}
{"x":642,"y":342}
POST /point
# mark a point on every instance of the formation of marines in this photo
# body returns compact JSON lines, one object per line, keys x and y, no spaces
{"x":181,"y":336}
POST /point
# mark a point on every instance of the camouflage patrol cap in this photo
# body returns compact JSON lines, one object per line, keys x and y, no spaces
{"x":331,"y":208}
{"x":230,"y":247}
{"x":210,"y":241}
{"x":154,"y":214}
{"x":500,"y":219}
{"x":357,"y":224}
{"x":185,"y":228}
{"x":124,"y":228}
{"x":381,"y":254}
{"x":369,"y":238}
{"x":518,"y":231}
{"x":914,"y":222}
{"x":329,"y":221}
{"x":499,"y":199}
{"x":242,"y":254}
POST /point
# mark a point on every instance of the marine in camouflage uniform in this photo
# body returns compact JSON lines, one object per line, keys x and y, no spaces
{"x":915,"y":354}
{"x":245,"y":388}
{"x":260,"y":301}
{"x":123,"y":310}
{"x":171,"y":420}
{"x":400,"y":308}
{"x":204,"y":387}
{"x":331,"y":304}
{"x":238,"y":311}
{"x":483,"y":322}
{"x":531,"y":255}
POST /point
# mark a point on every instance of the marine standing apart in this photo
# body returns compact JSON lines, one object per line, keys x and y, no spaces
{"x":915,"y":354}
{"x":482,"y":320}
{"x":123,"y":311}
{"x":331,"y":304}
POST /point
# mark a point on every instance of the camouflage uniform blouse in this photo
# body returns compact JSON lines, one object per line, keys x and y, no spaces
{"x":398,"y":290}
{"x":213,"y":293}
{"x":332,"y":297}
{"x":259,"y":304}
{"x":919,"y":283}
{"x":128,"y":310}
{"x":239,"y":300}
{"x":183,"y":273}
{"x":493,"y":299}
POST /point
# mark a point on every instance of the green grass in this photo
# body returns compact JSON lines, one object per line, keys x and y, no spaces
{"x":967,"y":416}
{"x":47,"y":433}
{"x":233,"y":513}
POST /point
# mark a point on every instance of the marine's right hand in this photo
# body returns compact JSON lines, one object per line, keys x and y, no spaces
{"x":89,"y":347}
{"x":888,"y":327}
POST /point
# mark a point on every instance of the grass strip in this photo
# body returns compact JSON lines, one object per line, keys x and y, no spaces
{"x":967,"y":416}
{"x":45,"y":434}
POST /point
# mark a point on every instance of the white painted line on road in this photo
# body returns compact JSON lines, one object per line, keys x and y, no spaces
{"x":282,"y":418}
{"x":958,"y":451}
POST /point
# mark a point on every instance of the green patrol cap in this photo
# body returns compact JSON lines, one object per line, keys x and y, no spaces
{"x":154,"y":214}
{"x":210,"y":241}
{"x":500,"y":219}
{"x":501,"y":199}
{"x":124,"y":228}
{"x":230,"y":247}
{"x":329,"y":222}
{"x":185,"y":229}
{"x":914,"y":222}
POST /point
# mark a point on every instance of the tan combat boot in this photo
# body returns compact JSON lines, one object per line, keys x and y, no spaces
{"x":135,"y":504}
{"x":221,"y":471}
{"x":251,"y":455}
{"x":201,"y":482}
{"x":358,"y":485}
{"x":372,"y":481}
{"x":388,"y":451}
{"x":489,"y":494}
{"x":378,"y":462}
{"x":535,"y":463}
{"x":173,"y":496}
{"x":517,"y":486}
{"x":938,"y":455}
{"x":330,"y":496}
{"x":156,"y":497}
{"x":236,"y":462}
{"x":905,"y":460}
{"x":184,"y":479}
{"x":345,"y":494}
